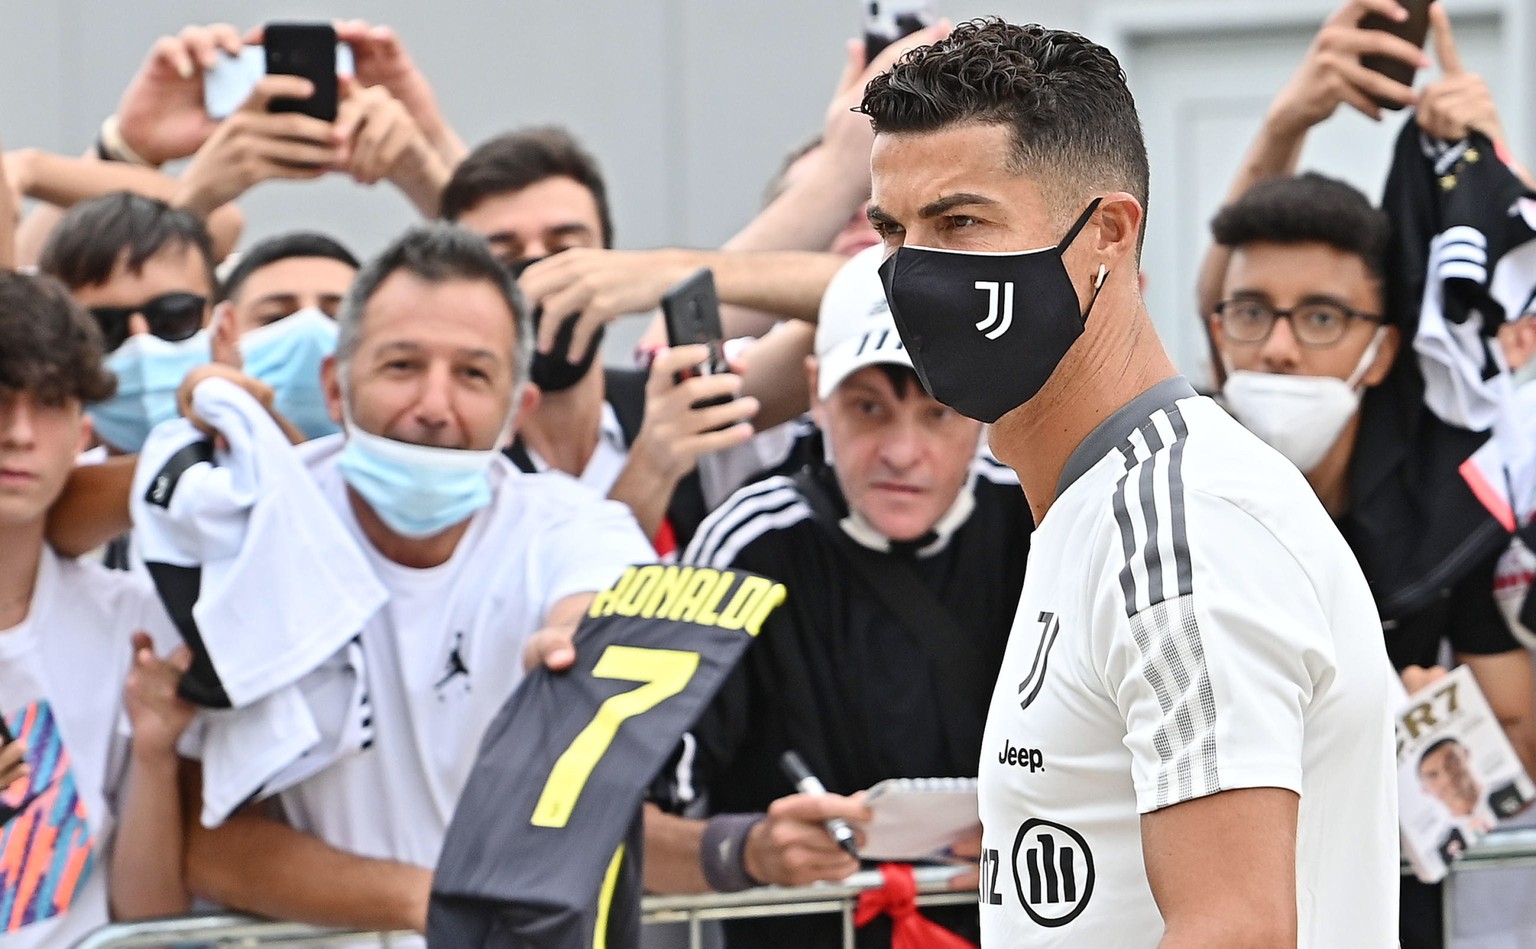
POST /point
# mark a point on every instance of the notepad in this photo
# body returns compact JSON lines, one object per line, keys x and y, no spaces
{"x":918,"y":818}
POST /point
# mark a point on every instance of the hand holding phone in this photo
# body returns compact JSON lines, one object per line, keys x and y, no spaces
{"x":692,"y":313}
{"x":231,"y":80}
{"x":1414,"y":30}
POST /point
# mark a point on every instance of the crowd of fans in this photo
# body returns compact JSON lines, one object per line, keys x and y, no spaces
{"x":463,"y":444}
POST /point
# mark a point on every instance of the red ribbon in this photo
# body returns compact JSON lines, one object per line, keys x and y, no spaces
{"x":898,"y":900}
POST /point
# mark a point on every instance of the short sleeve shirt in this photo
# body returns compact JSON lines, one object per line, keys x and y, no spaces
{"x":1191,"y":622}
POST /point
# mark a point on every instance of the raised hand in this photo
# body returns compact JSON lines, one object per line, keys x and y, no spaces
{"x":157,"y":714}
{"x":254,"y":145}
{"x":1331,"y":73}
{"x":383,"y":141}
{"x":161,"y":114}
{"x":1459,"y":101}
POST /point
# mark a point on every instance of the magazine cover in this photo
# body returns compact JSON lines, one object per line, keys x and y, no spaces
{"x":1456,"y":772}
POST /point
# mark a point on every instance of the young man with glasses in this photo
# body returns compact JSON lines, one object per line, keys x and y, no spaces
{"x":1298,"y":329}
{"x":1300,"y":338}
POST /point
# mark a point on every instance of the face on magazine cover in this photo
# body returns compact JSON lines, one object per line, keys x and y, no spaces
{"x":1447,"y":773}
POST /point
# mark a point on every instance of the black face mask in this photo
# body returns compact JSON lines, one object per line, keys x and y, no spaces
{"x":554,"y":371}
{"x":972,"y":349}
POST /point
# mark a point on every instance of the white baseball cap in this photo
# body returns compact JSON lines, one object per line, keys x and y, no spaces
{"x":854,"y":328}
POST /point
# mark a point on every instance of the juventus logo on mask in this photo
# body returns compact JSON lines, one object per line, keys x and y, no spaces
{"x":986,"y":371}
{"x":993,"y":314}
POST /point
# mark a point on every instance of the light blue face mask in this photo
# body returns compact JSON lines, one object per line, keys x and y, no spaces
{"x":149,"y":371}
{"x":416,"y":490}
{"x":287,"y":355}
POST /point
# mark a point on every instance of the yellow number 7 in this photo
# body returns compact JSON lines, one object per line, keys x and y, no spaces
{"x":664,"y":672}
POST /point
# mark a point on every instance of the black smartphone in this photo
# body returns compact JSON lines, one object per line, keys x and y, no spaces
{"x":308,"y":50}
{"x":1415,"y":30}
{"x":886,"y":21}
{"x":5,"y":732}
{"x":691,"y":310}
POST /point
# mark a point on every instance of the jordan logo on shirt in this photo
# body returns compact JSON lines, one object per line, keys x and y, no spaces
{"x":456,"y":666}
{"x":46,"y":850}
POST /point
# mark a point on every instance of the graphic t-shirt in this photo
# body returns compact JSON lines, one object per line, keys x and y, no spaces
{"x":61,"y":684}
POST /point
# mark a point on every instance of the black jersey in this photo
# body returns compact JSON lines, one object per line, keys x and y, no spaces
{"x":544,"y":847}
{"x":837,"y":677}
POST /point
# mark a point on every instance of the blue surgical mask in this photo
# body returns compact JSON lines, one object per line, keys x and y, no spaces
{"x":287,"y":355}
{"x":149,"y":371}
{"x":416,"y":490}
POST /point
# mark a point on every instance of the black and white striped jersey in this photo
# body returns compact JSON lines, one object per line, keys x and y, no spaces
{"x":1191,"y":622}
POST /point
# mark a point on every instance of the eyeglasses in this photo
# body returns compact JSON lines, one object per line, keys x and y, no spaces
{"x":171,"y":316}
{"x":1316,"y":323}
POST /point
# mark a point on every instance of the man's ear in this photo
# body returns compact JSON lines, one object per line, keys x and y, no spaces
{"x":330,"y":381}
{"x":226,"y":336}
{"x":87,"y":433}
{"x":812,"y":376}
{"x":1119,"y":219}
{"x":1385,"y":357}
{"x":527,"y":403}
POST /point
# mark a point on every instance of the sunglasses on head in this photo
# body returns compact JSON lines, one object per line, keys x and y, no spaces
{"x":171,"y":316}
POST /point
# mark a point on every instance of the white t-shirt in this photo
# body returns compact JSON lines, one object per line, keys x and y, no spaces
{"x":65,"y":665}
{"x":1191,"y":622}
{"x":447,"y":650}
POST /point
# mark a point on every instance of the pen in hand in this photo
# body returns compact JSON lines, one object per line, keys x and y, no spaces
{"x":807,"y":783}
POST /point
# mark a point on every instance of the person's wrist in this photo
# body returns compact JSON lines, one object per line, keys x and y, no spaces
{"x":190,"y":195}
{"x":21,"y":169}
{"x":724,"y":851}
{"x":655,"y":467}
{"x":113,"y":145}
{"x":153,"y":753}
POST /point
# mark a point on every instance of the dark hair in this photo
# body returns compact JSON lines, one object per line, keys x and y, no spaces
{"x":94,"y":234}
{"x":1434,"y":747}
{"x":282,"y":247}
{"x":514,"y":161}
{"x":903,"y":379}
{"x":436,"y":253}
{"x":1303,"y":209}
{"x":52,"y":347}
{"x":1063,"y":97}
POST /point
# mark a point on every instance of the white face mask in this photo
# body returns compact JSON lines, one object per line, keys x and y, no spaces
{"x":1299,"y":416}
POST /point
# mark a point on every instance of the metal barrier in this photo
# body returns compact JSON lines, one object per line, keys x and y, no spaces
{"x":229,"y":930}
{"x":1500,"y":849}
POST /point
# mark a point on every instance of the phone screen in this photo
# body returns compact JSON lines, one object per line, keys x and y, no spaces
{"x":1415,"y":30}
